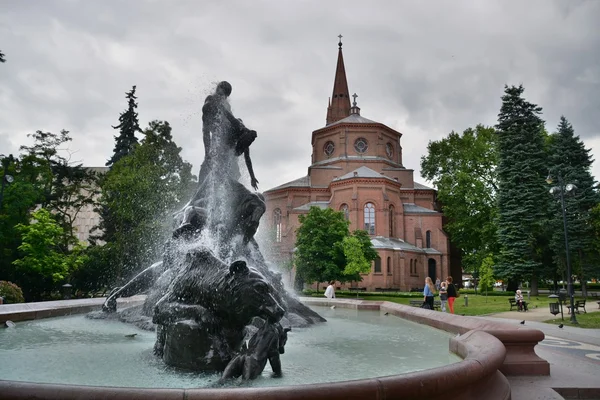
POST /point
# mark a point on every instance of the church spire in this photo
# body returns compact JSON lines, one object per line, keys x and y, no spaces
{"x":339,"y":107}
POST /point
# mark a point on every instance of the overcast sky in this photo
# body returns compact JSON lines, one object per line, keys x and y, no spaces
{"x":424,"y":68}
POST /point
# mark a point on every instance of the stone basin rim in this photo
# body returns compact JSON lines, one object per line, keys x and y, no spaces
{"x":477,"y":375}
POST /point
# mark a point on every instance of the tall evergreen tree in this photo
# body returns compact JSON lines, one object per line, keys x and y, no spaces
{"x":523,"y":198}
{"x":2,"y":57}
{"x":569,"y":158}
{"x":128,"y":126}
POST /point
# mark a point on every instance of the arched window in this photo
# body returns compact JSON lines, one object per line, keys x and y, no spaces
{"x":277,"y":224}
{"x":369,"y":212}
{"x":377,"y":265}
{"x":346,"y":211}
{"x":416,"y":268}
{"x":389,"y":266}
{"x":411,"y":267}
{"x":428,"y":239}
{"x":392,"y":220}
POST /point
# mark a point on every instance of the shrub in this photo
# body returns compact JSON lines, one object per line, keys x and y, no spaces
{"x":11,"y":293}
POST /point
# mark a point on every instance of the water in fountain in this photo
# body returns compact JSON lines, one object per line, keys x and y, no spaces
{"x":353,"y":344}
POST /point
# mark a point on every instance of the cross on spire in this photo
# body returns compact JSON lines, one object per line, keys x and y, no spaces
{"x":354,"y":96}
{"x":340,"y":43}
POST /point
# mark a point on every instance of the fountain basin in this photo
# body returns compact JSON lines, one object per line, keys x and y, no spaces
{"x":476,"y":376}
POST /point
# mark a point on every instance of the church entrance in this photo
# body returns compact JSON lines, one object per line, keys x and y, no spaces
{"x":431,"y":269}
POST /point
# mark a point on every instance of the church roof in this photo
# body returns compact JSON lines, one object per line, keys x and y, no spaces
{"x":300,"y":182}
{"x":307,"y":206}
{"x":380,"y":242}
{"x":339,"y":103}
{"x":422,"y":187}
{"x":413,"y":208}
{"x":354,"y":119}
{"x":363,"y":172}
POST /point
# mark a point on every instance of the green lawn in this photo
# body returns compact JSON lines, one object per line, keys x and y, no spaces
{"x":589,"y":320}
{"x":479,"y":305}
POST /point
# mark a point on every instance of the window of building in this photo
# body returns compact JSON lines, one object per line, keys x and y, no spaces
{"x":346,"y":211}
{"x":277,"y":224}
{"x":329,"y":148}
{"x":378,"y":265}
{"x":389,"y":265}
{"x":361,"y":145}
{"x":392,"y":220}
{"x":369,"y":212}
{"x":428,"y":239}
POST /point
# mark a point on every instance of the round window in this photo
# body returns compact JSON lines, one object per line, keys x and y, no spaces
{"x":389,"y":150}
{"x":329,"y":148}
{"x":361,"y":145}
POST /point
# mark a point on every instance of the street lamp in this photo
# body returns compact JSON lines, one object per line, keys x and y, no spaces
{"x":5,"y":178}
{"x":560,"y":190}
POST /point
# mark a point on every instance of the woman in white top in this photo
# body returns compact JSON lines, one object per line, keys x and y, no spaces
{"x":330,"y":291}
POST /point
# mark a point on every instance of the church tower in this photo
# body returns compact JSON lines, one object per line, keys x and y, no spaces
{"x":339,"y":103}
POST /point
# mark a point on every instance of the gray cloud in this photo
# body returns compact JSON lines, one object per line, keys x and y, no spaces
{"x":423,"y":68}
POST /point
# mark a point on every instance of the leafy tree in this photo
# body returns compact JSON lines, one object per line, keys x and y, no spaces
{"x":326,"y":251}
{"x":522,"y":196}
{"x":319,"y":255}
{"x":486,"y":274}
{"x":569,"y":158}
{"x":128,"y":126}
{"x":139,"y":195}
{"x":463,"y":168}
{"x":18,"y":198}
{"x":65,"y":188}
{"x":43,"y":265}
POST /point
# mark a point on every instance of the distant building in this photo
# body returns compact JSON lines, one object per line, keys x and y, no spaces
{"x":357,"y":168}
{"x":87,"y":218}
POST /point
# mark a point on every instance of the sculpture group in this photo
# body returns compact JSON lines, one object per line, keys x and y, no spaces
{"x":218,"y":307}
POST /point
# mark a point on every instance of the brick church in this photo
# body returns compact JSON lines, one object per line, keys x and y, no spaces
{"x":357,"y":168}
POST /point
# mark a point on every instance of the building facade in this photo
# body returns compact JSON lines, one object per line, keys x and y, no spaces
{"x":357,"y":168}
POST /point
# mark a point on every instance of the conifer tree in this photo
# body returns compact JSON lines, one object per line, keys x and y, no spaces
{"x":569,"y":158}
{"x":128,"y":126}
{"x":523,"y":198}
{"x":2,"y":57}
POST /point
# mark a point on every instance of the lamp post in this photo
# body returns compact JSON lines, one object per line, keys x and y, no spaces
{"x":560,"y":190}
{"x":5,"y":178}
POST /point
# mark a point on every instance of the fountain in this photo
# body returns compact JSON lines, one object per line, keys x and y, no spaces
{"x":214,"y":301}
{"x":220,"y":312}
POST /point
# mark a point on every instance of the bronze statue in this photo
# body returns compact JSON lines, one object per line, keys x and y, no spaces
{"x":200,"y":301}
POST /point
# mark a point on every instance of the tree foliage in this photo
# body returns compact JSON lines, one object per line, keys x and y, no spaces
{"x":128,"y":126}
{"x":139,"y":195}
{"x":326,"y":251}
{"x":463,"y":168}
{"x":522,"y":193}
{"x":569,"y":159}
{"x":2,"y":57}
{"x":43,"y":264}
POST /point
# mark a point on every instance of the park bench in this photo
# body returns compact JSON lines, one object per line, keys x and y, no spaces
{"x":418,"y":303}
{"x":357,"y":289}
{"x":513,"y":303}
{"x":598,"y":304}
{"x":384,"y":290}
{"x":415,"y":289}
{"x":578,"y":304}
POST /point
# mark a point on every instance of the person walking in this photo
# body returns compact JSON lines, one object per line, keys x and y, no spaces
{"x":428,"y":292}
{"x":443,"y":295}
{"x":452,"y":294}
{"x":330,"y":291}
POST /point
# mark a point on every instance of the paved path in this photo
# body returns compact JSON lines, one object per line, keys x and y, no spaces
{"x":573,"y":354}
